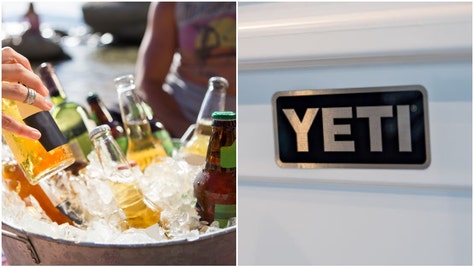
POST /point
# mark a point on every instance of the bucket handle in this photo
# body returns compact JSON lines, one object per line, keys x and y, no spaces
{"x":26,"y":241}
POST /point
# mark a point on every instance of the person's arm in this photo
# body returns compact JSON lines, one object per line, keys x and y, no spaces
{"x":17,"y":77}
{"x":155,"y":56}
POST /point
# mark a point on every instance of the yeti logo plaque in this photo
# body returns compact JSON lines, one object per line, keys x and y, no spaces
{"x":377,"y":127}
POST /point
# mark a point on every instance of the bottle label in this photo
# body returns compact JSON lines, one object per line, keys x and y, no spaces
{"x":228,"y":156}
{"x":223,"y":212}
{"x":51,"y":136}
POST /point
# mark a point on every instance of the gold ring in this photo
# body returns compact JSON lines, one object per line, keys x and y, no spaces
{"x":30,"y":97}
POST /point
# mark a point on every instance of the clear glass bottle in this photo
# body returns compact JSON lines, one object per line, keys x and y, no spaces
{"x":101,"y":115}
{"x":142,"y":147}
{"x":72,"y":118}
{"x":215,"y":185}
{"x":138,"y":210}
{"x":194,"y":151}
{"x":41,"y":158}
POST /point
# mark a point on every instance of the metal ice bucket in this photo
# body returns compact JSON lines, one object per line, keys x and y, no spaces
{"x":23,"y":248}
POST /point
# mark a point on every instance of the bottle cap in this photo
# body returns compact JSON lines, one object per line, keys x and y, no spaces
{"x":218,"y":82}
{"x":223,"y":115}
{"x":92,"y":96}
{"x":45,"y":68}
{"x":99,"y":129}
{"x":124,"y":80}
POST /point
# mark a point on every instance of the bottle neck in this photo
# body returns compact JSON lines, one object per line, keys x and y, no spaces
{"x":221,"y":154}
{"x":131,"y":107}
{"x":214,"y":99}
{"x":108,"y":151}
{"x":56,"y":91}
{"x":139,"y":131}
{"x":57,"y":99}
{"x":102,"y":114}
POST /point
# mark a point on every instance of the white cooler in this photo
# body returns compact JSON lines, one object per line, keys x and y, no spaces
{"x":351,"y":215}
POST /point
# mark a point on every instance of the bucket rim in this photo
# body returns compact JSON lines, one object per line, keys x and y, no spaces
{"x":132,"y":245}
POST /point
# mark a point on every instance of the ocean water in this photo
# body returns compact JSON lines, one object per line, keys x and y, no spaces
{"x":93,"y":64}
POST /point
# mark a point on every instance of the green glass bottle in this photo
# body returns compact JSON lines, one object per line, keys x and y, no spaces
{"x":159,"y":131}
{"x":73,"y":119}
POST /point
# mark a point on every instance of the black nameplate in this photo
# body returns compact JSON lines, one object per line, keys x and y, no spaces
{"x":377,"y":127}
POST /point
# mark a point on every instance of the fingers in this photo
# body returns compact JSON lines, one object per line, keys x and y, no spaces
{"x":13,"y":126}
{"x":10,"y":56}
{"x":19,"y":92}
{"x":16,"y":72}
{"x":17,"y":68}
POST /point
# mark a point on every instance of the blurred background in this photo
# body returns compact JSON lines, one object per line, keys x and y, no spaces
{"x":88,"y":43}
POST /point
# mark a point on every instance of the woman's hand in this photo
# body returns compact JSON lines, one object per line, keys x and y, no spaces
{"x":20,"y":83}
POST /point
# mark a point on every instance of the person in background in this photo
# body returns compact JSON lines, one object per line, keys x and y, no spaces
{"x":33,"y":20}
{"x":185,"y":44}
{"x":20,"y":83}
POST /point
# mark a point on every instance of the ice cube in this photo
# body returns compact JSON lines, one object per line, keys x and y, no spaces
{"x":156,"y":232}
{"x":192,"y":235}
{"x":168,"y":184}
{"x":33,"y":225}
{"x":133,"y":236}
{"x":69,"y":232}
{"x":99,"y":231}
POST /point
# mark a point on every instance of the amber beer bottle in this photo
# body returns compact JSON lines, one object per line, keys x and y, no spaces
{"x":72,"y":118}
{"x":215,"y":185}
{"x":16,"y":181}
{"x":101,"y":115}
{"x":37,"y":158}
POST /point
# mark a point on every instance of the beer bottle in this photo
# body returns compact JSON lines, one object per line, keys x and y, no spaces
{"x":142,"y":147}
{"x":102,"y":115}
{"x":72,"y":118}
{"x":16,"y":181}
{"x":60,"y":195}
{"x":41,"y":158}
{"x":215,"y":185}
{"x":194,"y":151}
{"x":138,"y":210}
